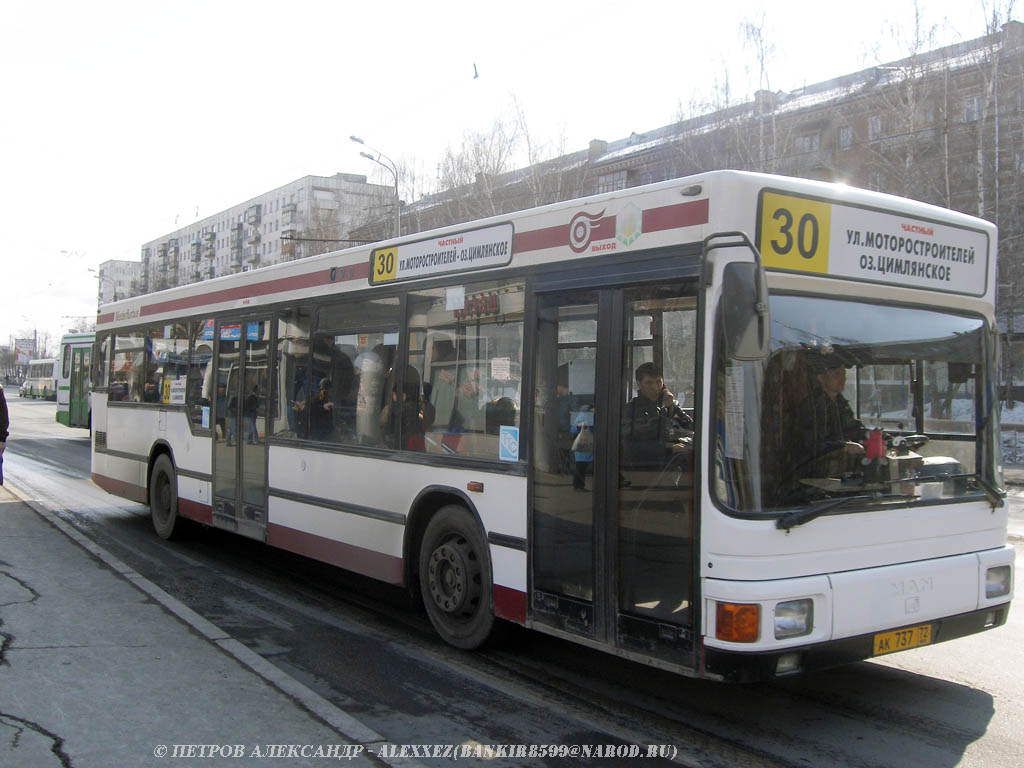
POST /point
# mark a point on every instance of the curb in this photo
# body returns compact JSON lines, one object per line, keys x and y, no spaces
{"x":345,"y":724}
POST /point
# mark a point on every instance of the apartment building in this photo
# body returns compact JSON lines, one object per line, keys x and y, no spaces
{"x":118,"y":278}
{"x":305,"y":217}
{"x":944,"y":126}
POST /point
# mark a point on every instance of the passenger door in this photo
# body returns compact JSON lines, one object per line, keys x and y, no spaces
{"x":611,"y":539}
{"x":78,"y":397}
{"x":239,"y":435}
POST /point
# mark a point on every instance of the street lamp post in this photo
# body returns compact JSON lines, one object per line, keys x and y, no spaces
{"x":99,"y":287}
{"x":393,"y":169}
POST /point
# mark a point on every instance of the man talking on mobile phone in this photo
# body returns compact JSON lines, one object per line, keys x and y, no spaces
{"x":654,"y":426}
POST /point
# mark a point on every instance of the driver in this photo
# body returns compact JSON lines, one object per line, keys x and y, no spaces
{"x":831,"y":433}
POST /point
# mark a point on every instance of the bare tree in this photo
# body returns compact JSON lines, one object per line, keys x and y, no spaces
{"x":469,"y":174}
{"x":550,"y":174}
{"x":764,"y":99}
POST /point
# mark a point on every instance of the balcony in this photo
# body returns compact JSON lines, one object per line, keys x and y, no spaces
{"x":196,"y":250}
{"x":211,"y":272}
{"x":252,"y":215}
{"x":209,"y":250}
{"x":807,"y":161}
{"x":288,"y":209}
{"x":209,"y":237}
{"x":253,"y":238}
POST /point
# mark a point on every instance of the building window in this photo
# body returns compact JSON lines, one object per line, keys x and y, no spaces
{"x":811,"y":142}
{"x":874,"y":127}
{"x":845,"y":137}
{"x":972,"y":108}
{"x":610,"y":182}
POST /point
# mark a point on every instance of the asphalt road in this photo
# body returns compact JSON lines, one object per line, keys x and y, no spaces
{"x":366,"y":648}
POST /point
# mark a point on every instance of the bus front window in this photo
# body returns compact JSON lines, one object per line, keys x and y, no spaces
{"x":881,"y":402}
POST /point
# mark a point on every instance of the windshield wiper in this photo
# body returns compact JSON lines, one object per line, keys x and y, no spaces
{"x":994,"y":495}
{"x":793,"y":519}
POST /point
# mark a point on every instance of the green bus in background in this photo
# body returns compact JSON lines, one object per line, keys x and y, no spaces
{"x":72,"y":377}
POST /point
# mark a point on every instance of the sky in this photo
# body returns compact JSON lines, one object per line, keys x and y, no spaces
{"x":123,"y":121}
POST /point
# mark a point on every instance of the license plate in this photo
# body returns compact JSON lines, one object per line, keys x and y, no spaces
{"x":901,"y":639}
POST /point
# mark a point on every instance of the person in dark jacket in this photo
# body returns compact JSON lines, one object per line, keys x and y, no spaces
{"x":831,"y":432}
{"x":5,"y":423}
{"x":654,"y":426}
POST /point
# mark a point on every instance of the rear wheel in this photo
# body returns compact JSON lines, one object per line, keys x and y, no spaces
{"x":455,"y":578}
{"x":163,"y":498}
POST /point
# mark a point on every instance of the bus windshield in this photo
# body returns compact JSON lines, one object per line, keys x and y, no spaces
{"x":882,"y":402}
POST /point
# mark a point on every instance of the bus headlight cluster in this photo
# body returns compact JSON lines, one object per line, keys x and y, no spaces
{"x":997,"y":581}
{"x":794,"y":618}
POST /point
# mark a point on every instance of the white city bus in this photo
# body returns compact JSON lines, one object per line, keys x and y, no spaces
{"x":413,"y":411}
{"x":39,"y":380}
{"x":73,"y":380}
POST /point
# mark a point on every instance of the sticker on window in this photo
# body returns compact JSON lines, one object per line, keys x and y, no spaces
{"x":508,"y":443}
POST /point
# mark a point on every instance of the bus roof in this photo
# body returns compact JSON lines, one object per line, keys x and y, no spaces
{"x":668,"y":213}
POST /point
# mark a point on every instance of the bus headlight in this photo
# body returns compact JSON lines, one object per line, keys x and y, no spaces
{"x":794,"y":618}
{"x":997,"y":581}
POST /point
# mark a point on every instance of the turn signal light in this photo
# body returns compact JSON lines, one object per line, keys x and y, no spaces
{"x":737,"y":622}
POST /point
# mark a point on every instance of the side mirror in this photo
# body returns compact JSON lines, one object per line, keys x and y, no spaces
{"x":743,"y":308}
{"x":743,"y":311}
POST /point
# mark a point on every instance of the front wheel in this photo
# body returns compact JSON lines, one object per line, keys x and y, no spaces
{"x":163,"y":498}
{"x":455,"y":578}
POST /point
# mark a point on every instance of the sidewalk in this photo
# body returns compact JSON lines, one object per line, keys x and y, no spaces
{"x":99,"y":667}
{"x":1014,"y":477}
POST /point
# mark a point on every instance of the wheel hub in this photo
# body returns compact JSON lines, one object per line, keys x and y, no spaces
{"x":451,"y":576}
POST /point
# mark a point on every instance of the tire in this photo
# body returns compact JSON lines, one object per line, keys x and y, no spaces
{"x":455,"y":578}
{"x":163,"y":498}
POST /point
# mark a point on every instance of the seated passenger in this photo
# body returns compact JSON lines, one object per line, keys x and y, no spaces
{"x":151,"y":392}
{"x":654,"y":427}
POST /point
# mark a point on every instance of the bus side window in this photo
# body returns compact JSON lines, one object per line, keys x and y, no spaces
{"x":200,"y":381}
{"x":290,"y":412}
{"x":126,"y":379}
{"x":463,"y":375}
{"x":101,"y":362}
{"x":353,"y":357}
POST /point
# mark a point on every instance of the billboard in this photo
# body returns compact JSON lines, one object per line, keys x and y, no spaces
{"x":24,"y":349}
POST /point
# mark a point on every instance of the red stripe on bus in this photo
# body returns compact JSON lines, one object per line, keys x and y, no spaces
{"x":653,"y":220}
{"x":509,"y":604}
{"x":538,"y":239}
{"x":674,"y":216}
{"x":322,"y":276}
{"x":373,"y":564}
{"x":121,"y":488}
{"x":194,"y":510}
